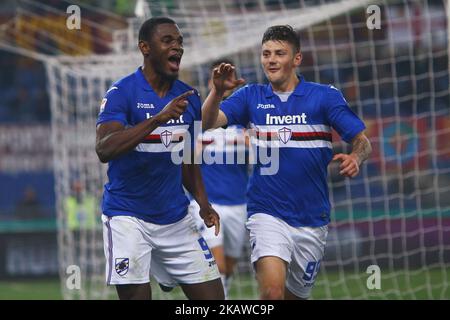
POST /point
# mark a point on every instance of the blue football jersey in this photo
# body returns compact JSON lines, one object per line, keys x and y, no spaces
{"x":146,"y":183}
{"x":224,"y":167}
{"x":299,"y":129}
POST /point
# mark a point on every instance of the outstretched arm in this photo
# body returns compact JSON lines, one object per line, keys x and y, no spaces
{"x":350,"y":163}
{"x":223,"y":79}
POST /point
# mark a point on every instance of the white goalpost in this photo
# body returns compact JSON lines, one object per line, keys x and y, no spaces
{"x":394,"y":217}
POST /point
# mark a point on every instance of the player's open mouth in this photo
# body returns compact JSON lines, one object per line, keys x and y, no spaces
{"x":174,"y":62}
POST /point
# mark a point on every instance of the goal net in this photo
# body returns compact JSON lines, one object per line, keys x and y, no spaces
{"x":395,"y":215}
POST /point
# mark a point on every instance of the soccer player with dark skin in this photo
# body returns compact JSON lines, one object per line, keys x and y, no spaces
{"x":162,"y":51}
{"x":280,"y":57}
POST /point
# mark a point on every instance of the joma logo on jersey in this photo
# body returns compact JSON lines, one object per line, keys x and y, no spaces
{"x":265,"y":106}
{"x":145,"y":105}
{"x":173,"y":121}
{"x":288,"y":119}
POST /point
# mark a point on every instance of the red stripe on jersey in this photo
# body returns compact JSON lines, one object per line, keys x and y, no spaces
{"x":302,"y":136}
{"x":152,"y":137}
{"x":266,"y":134}
{"x":206,"y":142}
{"x":312,"y":134}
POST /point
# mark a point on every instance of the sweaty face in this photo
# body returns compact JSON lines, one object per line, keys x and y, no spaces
{"x":166,"y":50}
{"x":279,"y":61}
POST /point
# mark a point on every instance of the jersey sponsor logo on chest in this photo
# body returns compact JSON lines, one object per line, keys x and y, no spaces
{"x":163,"y":139}
{"x":287,"y":119}
{"x":173,"y":121}
{"x":167,"y":135}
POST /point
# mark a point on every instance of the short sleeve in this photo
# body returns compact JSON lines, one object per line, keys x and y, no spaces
{"x":340,"y":116}
{"x":113,"y":107}
{"x":235,"y":107}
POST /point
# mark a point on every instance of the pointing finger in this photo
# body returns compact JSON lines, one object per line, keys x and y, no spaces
{"x":185,"y":95}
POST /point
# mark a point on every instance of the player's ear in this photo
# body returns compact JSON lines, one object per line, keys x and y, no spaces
{"x":144,"y":47}
{"x":298,"y":58}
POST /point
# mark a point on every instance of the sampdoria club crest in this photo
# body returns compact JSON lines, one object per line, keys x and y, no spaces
{"x":122,"y":266}
{"x":166,"y":138}
{"x":284,"y":134}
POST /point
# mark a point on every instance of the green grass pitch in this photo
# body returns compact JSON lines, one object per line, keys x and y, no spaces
{"x":416,"y":284}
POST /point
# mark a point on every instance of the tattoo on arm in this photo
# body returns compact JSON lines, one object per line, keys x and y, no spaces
{"x":361,"y":147}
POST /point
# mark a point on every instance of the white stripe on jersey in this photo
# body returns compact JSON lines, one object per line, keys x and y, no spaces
{"x":291,"y":144}
{"x":111,"y":89}
{"x":293,"y":127}
{"x":276,"y":143}
{"x":159,"y":146}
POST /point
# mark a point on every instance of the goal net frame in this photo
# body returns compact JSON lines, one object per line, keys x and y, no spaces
{"x":406,"y":238}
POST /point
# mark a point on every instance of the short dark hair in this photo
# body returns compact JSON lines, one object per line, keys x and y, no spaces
{"x":149,"y":26}
{"x":217,"y":62}
{"x":282,"y":33}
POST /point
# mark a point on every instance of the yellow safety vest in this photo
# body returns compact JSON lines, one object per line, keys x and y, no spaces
{"x":81,"y":215}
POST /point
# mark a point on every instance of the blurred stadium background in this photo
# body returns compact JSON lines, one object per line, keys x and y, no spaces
{"x":396,"y":214}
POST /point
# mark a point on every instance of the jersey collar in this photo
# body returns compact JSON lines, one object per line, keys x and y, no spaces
{"x":142,"y":81}
{"x":298,"y":91}
{"x":145,"y":85}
